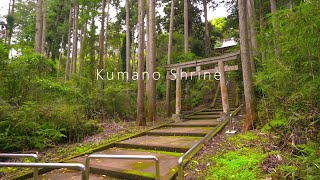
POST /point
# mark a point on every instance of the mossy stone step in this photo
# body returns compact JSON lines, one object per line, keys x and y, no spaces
{"x":195,"y":123}
{"x":68,"y":174}
{"x":180,"y":131}
{"x":214,"y":109}
{"x":205,"y":116}
{"x":209,"y":113}
{"x":133,"y":169}
{"x":162,"y":143}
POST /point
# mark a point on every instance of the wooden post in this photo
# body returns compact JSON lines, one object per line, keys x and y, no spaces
{"x":224,"y":90}
{"x":168,"y":105}
{"x":178,"y":93}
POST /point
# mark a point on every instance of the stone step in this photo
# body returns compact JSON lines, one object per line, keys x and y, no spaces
{"x":205,"y":116}
{"x":162,"y":143}
{"x":209,"y":113}
{"x":230,"y":99}
{"x":180,"y":131}
{"x":68,"y":174}
{"x":195,"y":123}
{"x":133,"y":169}
{"x":218,"y":109}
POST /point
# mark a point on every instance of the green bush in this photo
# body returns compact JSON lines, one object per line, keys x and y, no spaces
{"x":34,"y":126}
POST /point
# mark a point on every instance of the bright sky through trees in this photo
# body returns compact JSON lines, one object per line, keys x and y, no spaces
{"x":221,"y":11}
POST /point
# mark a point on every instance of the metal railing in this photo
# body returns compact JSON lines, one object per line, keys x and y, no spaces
{"x":140,"y":157}
{"x":199,"y":143}
{"x":34,"y":156}
{"x":75,"y":166}
{"x":233,"y":114}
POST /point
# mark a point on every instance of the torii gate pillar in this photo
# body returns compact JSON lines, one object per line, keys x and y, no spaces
{"x":224,"y":90}
{"x":177,"y":115}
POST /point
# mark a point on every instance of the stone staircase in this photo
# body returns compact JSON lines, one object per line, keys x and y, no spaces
{"x":167,"y":143}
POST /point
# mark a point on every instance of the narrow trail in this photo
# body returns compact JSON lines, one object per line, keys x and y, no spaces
{"x":168,"y":143}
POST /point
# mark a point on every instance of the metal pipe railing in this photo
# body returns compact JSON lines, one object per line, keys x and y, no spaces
{"x":136,"y":157}
{"x":75,"y":166}
{"x":231,"y":115}
{"x":34,"y":156}
{"x":198,"y":144}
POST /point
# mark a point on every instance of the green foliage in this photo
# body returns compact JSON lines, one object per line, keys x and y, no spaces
{"x":241,"y":163}
{"x":40,"y":126}
{"x":39,"y":111}
{"x":308,"y":160}
{"x":290,"y":83}
{"x":279,"y":122}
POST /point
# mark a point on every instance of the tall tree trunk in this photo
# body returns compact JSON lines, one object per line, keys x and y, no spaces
{"x":246,"y":69}
{"x":7,"y":30}
{"x":38,"y":35}
{"x":290,"y":4}
{"x":273,"y":6}
{"x":253,"y":44}
{"x":186,"y":49}
{"x":69,"y":46}
{"x":75,"y":39}
{"x":60,"y":57}
{"x":44,"y":27}
{"x":128,"y":41}
{"x":82,"y":44}
{"x":186,"y":36}
{"x":141,"y":120}
{"x":168,"y":82}
{"x":11,"y":12}
{"x":101,"y":44}
{"x":147,"y":43}
{"x":151,"y":92}
{"x":133,"y":52}
{"x":207,"y":38}
{"x":262,"y":32}
{"x":107,"y":24}
{"x":92,"y":50}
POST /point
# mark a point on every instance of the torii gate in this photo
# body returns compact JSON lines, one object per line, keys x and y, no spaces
{"x":198,"y":63}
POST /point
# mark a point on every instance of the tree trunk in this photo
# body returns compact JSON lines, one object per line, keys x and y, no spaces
{"x":69,"y":46}
{"x":147,"y":44}
{"x":92,"y":51}
{"x":82,"y":44}
{"x":186,"y":49}
{"x":44,"y":28}
{"x":107,"y":24}
{"x":273,"y":5}
{"x":128,"y":41}
{"x":75,"y":39}
{"x":186,"y":36}
{"x":133,"y":52}
{"x":290,"y":4}
{"x":101,"y":44}
{"x":38,"y":35}
{"x":7,"y":30}
{"x":141,"y":120}
{"x":60,"y":57}
{"x":246,"y":69}
{"x":151,"y":92}
{"x":168,"y":82}
{"x":207,"y":38}
{"x":11,"y":12}
{"x":262,"y":32}
{"x":253,"y":44}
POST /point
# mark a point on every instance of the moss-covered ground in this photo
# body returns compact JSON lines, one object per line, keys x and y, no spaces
{"x":253,"y":155}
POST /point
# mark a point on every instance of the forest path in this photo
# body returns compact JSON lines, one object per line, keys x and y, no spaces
{"x":168,"y":143}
